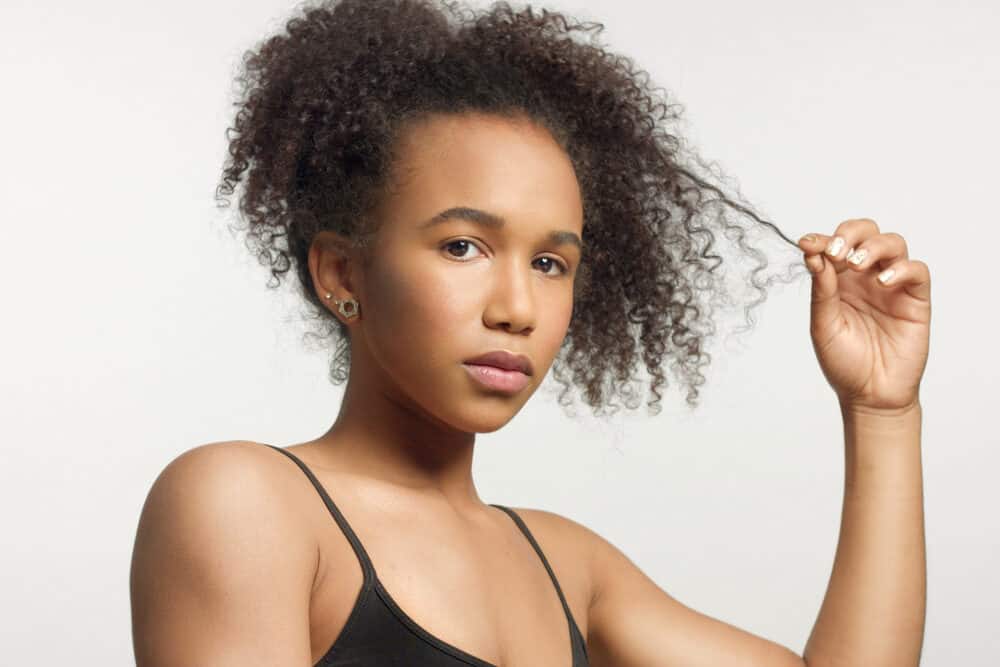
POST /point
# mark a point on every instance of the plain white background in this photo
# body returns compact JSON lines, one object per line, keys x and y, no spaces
{"x":136,"y":327}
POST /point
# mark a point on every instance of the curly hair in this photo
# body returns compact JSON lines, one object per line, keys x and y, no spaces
{"x":323,"y":103}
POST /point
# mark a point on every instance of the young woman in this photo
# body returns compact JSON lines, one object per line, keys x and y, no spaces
{"x":464,"y":197}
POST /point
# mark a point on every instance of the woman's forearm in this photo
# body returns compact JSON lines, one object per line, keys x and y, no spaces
{"x":874,"y":609}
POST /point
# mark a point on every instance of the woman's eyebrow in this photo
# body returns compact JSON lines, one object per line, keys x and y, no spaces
{"x":493,"y":221}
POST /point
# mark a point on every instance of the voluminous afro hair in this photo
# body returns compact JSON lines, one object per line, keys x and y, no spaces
{"x":324,"y":101}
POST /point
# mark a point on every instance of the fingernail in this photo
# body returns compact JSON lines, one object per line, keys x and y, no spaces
{"x":808,"y":238}
{"x":886,"y":276}
{"x":835,"y":246}
{"x":856,"y":257}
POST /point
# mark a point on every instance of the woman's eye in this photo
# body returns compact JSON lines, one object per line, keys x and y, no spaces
{"x":560,"y":269}
{"x":463,"y":244}
{"x":458,"y":243}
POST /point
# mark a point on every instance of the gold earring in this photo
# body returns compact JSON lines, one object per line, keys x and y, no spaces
{"x":353,"y":307}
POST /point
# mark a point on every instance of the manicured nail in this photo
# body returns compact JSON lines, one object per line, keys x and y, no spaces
{"x":856,"y":258}
{"x":808,"y":238}
{"x":886,"y":276}
{"x":835,"y":247}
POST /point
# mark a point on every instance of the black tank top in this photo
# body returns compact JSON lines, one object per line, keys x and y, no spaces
{"x":379,"y":633}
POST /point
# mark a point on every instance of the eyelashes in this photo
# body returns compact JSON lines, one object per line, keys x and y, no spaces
{"x":562,"y":268}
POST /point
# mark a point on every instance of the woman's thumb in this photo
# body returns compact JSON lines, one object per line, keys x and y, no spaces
{"x":825,"y":294}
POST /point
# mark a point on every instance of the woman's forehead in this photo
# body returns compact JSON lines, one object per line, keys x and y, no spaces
{"x":492,"y":162}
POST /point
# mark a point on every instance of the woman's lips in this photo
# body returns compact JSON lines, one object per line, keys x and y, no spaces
{"x":496,"y":378}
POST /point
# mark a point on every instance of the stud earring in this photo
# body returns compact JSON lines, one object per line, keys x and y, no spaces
{"x":353,"y":308}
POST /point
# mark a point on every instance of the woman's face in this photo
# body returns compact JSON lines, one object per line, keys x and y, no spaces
{"x":439,"y":294}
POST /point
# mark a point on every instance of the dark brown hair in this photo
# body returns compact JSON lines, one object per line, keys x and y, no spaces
{"x":324,"y":101}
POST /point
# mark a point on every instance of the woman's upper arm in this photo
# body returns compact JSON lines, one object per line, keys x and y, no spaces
{"x":222,"y":571}
{"x":633,"y":622}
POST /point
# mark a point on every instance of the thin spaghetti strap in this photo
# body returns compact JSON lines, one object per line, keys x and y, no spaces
{"x":359,"y":550}
{"x":527,"y":533}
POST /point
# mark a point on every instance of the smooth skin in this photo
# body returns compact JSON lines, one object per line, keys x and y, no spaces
{"x":237,"y":561}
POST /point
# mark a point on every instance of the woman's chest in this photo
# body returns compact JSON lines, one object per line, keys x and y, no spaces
{"x":483,"y":590}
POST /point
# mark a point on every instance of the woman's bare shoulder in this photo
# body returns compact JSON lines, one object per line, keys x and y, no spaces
{"x":216,"y":538}
{"x":563,"y":531}
{"x":569,"y":546}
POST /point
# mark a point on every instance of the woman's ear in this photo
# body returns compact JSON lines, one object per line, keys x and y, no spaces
{"x":331,"y":262}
